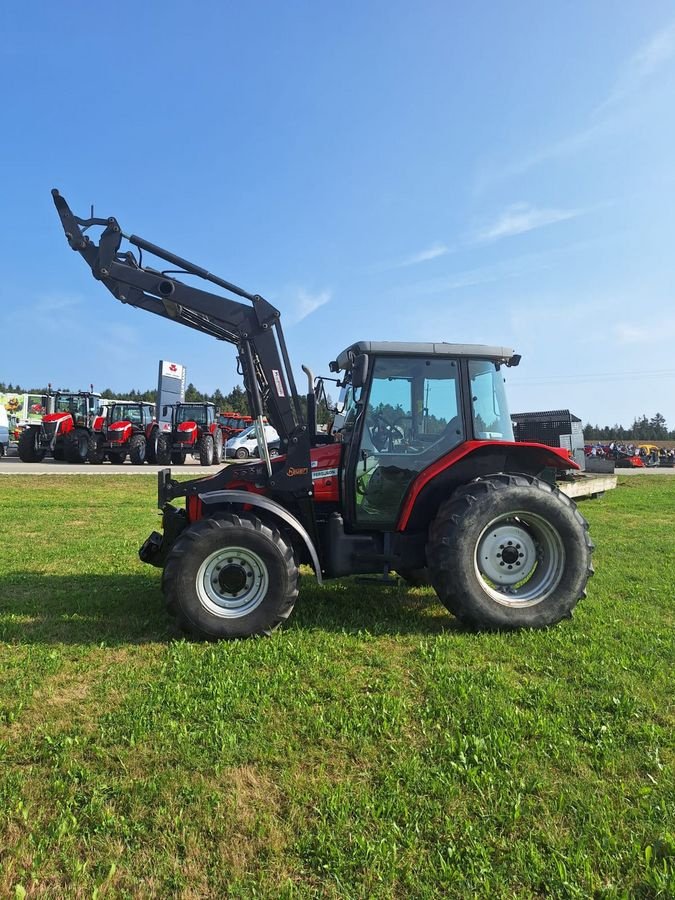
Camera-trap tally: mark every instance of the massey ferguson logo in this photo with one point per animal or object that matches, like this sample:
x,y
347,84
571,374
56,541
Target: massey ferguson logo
x,y
293,472
173,367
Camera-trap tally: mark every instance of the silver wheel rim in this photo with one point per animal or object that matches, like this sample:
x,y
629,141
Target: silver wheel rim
x,y
232,582
519,559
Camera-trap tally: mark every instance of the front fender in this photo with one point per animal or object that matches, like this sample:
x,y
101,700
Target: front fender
x,y
241,498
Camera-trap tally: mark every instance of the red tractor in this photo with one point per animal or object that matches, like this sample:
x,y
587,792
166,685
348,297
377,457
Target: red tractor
x,y
128,428
193,430
420,473
233,423
64,431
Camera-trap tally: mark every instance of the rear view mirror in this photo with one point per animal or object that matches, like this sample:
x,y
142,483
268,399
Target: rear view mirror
x,y
360,371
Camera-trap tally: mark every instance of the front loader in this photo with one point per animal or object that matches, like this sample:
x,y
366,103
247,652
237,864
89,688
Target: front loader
x,y
420,473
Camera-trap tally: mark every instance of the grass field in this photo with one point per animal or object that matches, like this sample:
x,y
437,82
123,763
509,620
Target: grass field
x,y
371,749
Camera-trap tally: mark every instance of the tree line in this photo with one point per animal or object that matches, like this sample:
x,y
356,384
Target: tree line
x,y
642,429
235,401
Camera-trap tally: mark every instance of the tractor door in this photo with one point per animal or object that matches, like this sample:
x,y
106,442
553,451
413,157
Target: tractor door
x,y
408,415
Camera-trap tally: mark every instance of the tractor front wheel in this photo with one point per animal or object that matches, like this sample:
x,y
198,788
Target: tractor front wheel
x,y
137,448
162,450
217,447
232,576
29,446
509,551
178,457
76,446
96,453
117,457
205,449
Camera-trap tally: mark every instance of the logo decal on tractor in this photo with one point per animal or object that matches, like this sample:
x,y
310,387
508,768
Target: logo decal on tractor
x,y
324,473
293,472
278,383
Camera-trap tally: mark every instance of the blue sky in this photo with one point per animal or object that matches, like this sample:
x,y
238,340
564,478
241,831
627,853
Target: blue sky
x,y
490,172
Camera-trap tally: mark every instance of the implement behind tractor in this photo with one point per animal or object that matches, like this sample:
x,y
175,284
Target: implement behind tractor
x,y
420,473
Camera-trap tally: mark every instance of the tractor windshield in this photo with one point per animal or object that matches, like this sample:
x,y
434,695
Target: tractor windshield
x,y
127,412
193,412
73,404
491,419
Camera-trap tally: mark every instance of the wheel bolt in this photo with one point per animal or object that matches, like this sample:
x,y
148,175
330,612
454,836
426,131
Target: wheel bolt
x,y
521,555
501,563
510,567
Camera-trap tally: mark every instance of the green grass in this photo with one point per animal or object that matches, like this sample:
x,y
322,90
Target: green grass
x,y
371,749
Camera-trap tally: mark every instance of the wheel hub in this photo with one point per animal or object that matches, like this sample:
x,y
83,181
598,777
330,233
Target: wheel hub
x,y
232,578
232,582
507,554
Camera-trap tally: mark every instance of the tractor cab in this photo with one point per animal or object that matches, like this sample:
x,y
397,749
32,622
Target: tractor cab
x,y
82,406
407,406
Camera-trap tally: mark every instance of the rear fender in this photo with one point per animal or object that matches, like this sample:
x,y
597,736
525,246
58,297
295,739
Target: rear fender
x,y
473,459
248,498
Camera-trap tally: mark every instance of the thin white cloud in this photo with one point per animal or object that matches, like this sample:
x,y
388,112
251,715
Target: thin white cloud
x,y
305,303
56,302
432,252
621,108
653,333
649,59
520,218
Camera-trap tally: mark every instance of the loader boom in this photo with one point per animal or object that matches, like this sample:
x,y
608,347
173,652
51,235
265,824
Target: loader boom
x,y
253,327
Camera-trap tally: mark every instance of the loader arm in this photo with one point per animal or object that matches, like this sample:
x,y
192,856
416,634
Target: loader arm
x,y
253,327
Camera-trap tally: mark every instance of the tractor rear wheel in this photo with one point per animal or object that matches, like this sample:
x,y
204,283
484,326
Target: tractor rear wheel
x,y
96,453
206,450
76,445
231,576
29,445
137,448
509,551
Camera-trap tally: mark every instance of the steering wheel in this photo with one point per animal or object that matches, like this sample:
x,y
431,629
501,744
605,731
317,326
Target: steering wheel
x,y
383,433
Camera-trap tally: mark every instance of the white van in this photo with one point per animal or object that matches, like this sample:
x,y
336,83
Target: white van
x,y
4,431
241,446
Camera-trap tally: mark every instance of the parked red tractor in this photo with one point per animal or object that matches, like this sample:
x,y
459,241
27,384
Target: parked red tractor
x,y
423,476
233,423
64,431
193,430
129,428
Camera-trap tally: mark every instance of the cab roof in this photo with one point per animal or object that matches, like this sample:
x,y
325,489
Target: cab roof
x,y
441,350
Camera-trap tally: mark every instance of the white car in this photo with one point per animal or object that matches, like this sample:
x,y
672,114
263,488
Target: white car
x,y
242,445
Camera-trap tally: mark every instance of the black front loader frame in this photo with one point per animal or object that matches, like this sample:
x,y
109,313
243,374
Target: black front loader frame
x,y
255,330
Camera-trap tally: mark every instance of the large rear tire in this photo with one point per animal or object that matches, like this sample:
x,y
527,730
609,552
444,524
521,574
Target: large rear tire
x,y
137,446
509,551
206,450
76,446
232,576
29,445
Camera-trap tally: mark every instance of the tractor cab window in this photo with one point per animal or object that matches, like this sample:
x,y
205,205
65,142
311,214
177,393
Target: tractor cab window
x,y
491,419
192,413
410,419
124,413
69,403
